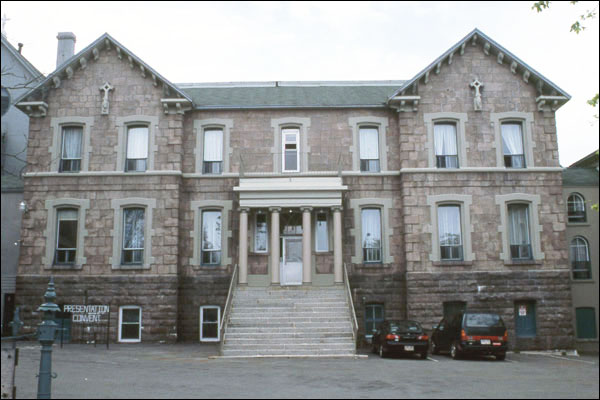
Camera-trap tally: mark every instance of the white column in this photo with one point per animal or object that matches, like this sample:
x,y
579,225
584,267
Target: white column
x,y
243,248
306,246
337,245
275,245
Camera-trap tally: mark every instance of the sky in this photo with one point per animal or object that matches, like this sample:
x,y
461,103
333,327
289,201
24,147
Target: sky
x,y
270,41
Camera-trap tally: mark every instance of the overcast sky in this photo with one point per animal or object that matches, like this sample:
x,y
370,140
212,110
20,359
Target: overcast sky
x,y
224,42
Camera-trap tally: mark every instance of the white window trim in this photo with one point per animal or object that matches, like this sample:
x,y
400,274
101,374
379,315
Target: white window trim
x,y
123,124
284,142
460,120
385,205
202,308
278,124
381,123
121,322
465,202
197,206
201,125
118,206
55,149
52,207
527,125
533,201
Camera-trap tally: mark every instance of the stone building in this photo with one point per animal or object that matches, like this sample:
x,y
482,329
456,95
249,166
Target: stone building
x,y
432,194
580,193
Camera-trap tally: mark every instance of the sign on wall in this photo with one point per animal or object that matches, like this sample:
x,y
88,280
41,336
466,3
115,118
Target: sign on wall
x,y
522,311
87,313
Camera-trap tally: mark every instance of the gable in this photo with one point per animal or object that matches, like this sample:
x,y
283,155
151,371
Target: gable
x,y
549,96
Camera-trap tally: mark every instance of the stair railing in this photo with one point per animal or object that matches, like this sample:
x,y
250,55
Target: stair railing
x,y
351,303
227,308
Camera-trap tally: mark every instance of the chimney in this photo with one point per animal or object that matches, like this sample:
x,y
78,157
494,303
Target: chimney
x,y
66,47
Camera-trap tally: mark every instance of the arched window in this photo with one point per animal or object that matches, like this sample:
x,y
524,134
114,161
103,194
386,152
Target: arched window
x,y
580,259
576,208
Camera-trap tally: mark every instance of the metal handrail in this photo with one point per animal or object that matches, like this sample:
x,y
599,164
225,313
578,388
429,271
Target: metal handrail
x,y
228,305
349,295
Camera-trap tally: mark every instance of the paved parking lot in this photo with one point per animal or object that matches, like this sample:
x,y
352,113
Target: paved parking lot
x,y
185,370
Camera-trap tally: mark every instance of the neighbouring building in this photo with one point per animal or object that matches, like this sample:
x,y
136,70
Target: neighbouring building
x,y
431,195
580,193
18,77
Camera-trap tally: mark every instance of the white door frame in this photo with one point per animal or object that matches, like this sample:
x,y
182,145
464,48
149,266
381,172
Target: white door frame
x,y
297,265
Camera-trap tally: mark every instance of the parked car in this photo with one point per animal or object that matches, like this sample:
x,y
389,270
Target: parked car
x,y
402,337
471,333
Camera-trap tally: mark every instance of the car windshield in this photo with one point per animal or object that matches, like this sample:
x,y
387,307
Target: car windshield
x,y
404,326
483,320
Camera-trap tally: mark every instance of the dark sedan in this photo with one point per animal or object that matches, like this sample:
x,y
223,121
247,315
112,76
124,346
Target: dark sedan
x,y
400,337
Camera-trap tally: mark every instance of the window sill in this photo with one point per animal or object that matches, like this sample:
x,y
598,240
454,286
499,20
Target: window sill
x,y
578,340
65,266
578,224
452,263
210,267
255,253
522,262
131,267
582,280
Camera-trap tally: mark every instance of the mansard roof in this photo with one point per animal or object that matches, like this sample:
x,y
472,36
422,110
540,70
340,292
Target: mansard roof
x,y
256,95
91,52
548,92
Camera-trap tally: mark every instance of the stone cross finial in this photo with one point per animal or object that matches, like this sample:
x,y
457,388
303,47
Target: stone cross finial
x,y
4,21
477,104
106,88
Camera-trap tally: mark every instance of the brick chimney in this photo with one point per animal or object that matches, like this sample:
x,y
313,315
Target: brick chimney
x,y
66,47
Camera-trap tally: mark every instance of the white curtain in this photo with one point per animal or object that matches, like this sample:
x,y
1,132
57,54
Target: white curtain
x,y
445,140
518,217
371,228
369,144
213,145
72,142
449,226
137,143
211,230
512,139
261,234
133,236
579,250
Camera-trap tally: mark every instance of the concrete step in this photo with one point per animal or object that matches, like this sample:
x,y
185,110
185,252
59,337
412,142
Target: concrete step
x,y
243,341
291,321
285,336
280,303
317,330
290,346
288,352
294,308
286,314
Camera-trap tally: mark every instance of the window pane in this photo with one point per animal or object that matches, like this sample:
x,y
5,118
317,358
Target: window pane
x,y
130,331
67,234
518,217
369,143
322,233
72,142
210,331
133,228
371,231
291,160
445,140
130,315
260,236
211,230
213,145
210,315
137,142
512,139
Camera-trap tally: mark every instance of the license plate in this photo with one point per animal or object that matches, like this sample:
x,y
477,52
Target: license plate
x,y
497,344
486,341
396,340
409,348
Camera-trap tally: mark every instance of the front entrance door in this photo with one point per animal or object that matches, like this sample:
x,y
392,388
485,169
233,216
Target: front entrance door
x,y
291,261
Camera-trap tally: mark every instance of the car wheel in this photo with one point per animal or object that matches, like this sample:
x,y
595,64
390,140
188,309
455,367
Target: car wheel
x,y
500,357
434,348
373,348
382,353
454,352
424,355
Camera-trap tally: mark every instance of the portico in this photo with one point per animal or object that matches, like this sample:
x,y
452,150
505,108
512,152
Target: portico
x,y
291,205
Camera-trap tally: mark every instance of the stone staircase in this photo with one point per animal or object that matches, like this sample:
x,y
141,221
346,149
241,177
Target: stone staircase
x,y
289,321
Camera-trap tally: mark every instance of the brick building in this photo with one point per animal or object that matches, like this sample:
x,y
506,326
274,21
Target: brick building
x,y
432,194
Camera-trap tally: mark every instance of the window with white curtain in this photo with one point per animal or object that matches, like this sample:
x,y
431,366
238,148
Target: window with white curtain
x,y
133,236
580,258
450,232
213,151
70,159
576,208
290,149
261,241
520,238
371,235
66,236
321,233
512,145
137,149
446,147
211,238
369,149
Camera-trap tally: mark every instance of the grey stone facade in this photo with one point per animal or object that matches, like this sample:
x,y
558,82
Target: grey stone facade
x,y
407,282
